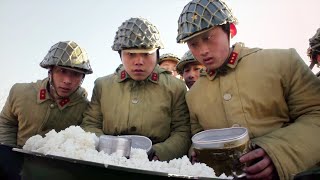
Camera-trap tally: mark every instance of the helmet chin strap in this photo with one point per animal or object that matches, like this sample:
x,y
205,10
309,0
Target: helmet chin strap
x,y
52,90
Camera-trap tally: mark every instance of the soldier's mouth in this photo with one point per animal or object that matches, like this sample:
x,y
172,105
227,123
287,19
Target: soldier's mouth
x,y
138,70
190,83
64,89
208,60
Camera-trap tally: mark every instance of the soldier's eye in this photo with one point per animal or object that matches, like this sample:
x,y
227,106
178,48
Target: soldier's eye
x,y
194,44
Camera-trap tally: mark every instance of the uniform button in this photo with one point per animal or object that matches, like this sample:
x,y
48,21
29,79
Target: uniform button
x,y
236,125
51,106
227,96
134,100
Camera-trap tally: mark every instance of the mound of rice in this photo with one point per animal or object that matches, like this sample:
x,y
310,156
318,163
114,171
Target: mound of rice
x,y
74,142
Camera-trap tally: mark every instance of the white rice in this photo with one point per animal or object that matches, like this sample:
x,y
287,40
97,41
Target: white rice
x,y
74,142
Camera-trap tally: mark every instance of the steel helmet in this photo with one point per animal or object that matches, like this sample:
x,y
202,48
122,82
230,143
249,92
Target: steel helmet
x,y
137,33
314,42
199,15
170,57
67,54
186,58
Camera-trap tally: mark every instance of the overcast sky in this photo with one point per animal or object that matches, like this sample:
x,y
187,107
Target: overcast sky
x,y
29,28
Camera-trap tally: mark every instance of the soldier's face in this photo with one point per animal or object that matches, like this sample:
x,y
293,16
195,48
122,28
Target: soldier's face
x,y
139,65
210,48
66,81
170,66
191,73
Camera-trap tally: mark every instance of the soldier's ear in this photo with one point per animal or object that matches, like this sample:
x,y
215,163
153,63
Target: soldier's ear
x,y
233,30
318,58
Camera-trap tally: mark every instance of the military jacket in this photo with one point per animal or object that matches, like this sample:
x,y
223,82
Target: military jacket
x,y
29,110
155,108
271,92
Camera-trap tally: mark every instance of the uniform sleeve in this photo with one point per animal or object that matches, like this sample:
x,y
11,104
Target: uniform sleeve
x,y
92,116
295,148
8,121
178,143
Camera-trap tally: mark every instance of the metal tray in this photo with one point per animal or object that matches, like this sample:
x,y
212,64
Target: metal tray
x,y
40,166
10,163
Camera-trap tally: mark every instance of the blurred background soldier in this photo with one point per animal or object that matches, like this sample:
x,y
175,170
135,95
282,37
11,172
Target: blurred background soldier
x,y
314,50
169,61
189,68
140,98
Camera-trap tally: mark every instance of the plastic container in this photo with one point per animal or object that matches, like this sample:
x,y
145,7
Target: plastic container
x,y
115,144
222,148
139,142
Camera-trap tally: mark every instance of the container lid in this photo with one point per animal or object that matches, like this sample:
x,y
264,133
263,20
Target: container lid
x,y
114,142
107,139
217,138
139,142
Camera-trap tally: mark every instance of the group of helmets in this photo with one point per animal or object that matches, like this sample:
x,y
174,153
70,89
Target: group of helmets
x,y
196,16
185,59
139,33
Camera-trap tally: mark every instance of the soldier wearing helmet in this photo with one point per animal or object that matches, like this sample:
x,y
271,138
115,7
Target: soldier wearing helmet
x,y
169,61
271,92
189,68
140,97
314,50
55,102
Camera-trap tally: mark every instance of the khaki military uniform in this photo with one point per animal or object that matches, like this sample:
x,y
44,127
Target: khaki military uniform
x,y
29,110
155,108
272,93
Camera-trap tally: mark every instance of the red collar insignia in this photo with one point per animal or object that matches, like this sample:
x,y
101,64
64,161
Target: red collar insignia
x,y
154,76
42,94
233,58
123,74
64,101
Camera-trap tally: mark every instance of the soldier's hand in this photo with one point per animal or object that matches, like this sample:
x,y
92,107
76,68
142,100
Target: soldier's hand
x,y
155,158
152,155
260,165
193,157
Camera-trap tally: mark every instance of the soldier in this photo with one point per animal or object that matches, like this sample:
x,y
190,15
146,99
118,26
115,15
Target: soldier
x,y
55,102
169,61
189,68
141,98
271,92
314,50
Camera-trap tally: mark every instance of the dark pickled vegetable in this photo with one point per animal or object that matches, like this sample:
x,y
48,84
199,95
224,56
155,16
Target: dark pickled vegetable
x,y
224,160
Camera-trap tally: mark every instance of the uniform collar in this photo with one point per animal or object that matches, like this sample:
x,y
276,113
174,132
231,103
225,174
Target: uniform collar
x,y
153,77
44,95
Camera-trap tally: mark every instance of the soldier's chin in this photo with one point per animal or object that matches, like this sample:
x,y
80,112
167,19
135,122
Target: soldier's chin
x,y
64,94
139,77
189,84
